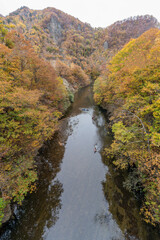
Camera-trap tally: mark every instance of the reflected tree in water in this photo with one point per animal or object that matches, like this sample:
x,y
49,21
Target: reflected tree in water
x,y
40,210
124,208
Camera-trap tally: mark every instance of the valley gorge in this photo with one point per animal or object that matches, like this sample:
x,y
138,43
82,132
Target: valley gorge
x,y
47,58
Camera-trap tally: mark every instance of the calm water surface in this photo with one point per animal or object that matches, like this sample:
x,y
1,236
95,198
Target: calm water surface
x,y
78,197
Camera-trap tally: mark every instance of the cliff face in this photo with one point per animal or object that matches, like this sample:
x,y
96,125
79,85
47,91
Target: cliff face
x,y
55,29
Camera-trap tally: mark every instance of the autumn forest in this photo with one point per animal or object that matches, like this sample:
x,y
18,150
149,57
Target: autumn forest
x,y
46,56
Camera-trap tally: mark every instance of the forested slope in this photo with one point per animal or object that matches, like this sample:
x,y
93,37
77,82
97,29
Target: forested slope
x,y
32,99
130,89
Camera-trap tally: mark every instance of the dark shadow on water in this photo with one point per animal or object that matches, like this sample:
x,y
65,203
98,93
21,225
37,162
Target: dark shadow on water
x,y
125,209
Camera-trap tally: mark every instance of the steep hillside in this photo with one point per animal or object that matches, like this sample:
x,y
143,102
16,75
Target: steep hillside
x,y
57,35
131,88
121,32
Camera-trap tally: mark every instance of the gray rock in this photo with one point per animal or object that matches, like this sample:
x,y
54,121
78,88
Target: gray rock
x,y
105,45
55,29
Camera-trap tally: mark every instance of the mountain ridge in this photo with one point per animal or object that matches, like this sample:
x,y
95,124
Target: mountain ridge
x,y
56,25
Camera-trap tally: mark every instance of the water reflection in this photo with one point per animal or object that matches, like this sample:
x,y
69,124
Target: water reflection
x,y
99,121
124,208
83,203
83,99
40,210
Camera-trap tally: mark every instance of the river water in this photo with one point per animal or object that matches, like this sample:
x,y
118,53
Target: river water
x,y
78,197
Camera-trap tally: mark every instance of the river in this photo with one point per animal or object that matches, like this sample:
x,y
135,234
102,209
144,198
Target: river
x,y
78,197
